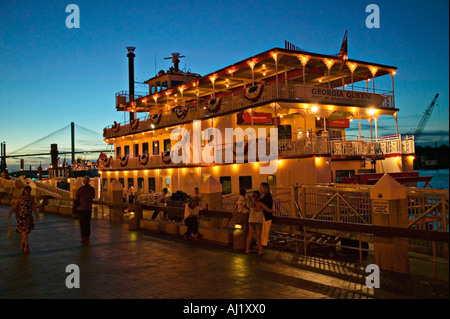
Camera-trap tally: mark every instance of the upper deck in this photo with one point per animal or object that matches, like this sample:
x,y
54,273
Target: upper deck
x,y
288,80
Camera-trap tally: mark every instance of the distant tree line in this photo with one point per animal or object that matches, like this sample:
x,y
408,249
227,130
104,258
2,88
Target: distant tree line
x,y
429,157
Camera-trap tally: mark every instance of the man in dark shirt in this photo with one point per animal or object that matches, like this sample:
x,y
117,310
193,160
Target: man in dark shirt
x,y
266,199
83,207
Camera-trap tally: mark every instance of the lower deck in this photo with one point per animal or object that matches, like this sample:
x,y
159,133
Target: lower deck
x,y
233,177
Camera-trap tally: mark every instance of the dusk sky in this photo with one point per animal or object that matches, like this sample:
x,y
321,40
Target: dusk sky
x,y
52,75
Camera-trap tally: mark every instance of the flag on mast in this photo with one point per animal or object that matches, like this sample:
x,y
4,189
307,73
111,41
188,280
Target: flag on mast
x,y
343,52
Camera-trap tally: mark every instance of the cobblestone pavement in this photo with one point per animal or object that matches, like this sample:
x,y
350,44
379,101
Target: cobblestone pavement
x,y
123,264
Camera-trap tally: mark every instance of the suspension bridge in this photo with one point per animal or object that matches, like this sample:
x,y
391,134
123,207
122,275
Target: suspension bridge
x,y
73,143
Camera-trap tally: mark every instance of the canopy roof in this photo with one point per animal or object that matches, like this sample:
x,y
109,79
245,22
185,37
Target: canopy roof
x,y
273,65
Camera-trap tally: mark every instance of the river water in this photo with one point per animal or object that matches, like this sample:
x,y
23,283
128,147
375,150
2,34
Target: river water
x,y
439,180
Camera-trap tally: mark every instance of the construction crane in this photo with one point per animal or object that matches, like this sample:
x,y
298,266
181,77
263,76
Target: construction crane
x,y
423,121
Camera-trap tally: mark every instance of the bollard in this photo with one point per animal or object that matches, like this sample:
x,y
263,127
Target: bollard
x,y
136,215
116,212
240,232
211,191
389,209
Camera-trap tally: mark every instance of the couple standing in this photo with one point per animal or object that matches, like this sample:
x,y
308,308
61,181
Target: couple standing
x,y
259,206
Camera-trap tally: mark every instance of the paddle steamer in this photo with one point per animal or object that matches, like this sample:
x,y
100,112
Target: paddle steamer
x,y
311,98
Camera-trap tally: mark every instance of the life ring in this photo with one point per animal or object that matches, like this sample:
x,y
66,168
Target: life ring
x,y
213,105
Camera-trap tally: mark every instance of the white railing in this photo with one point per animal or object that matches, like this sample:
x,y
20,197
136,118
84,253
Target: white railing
x,y
304,147
197,110
387,145
408,146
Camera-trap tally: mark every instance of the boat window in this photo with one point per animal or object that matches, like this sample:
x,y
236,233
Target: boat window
x,y
272,180
136,150
122,181
130,182
155,147
167,145
284,132
366,171
118,152
226,184
245,182
104,184
145,148
126,150
151,184
140,183
344,173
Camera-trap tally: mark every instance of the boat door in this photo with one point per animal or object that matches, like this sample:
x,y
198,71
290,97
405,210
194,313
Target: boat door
x,y
166,182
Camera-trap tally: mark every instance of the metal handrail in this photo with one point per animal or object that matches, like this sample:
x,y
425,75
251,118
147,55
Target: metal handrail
x,y
229,104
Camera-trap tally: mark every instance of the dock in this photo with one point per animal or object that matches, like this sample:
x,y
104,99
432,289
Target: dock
x,y
123,264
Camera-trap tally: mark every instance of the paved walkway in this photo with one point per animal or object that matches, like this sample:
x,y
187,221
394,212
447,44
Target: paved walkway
x,y
123,264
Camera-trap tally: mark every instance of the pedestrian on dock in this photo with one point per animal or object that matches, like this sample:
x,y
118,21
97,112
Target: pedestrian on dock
x,y
83,207
124,195
255,220
267,200
197,194
162,201
191,217
16,193
242,204
24,209
131,193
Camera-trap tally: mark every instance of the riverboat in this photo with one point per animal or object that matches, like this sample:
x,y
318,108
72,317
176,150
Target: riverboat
x,y
310,98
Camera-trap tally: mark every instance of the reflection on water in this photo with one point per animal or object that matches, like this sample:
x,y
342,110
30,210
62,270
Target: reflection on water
x,y
439,180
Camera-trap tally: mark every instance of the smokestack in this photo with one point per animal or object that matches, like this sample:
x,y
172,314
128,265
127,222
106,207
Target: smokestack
x,y
131,56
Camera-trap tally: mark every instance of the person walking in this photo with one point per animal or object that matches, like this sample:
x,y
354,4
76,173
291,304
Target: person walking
x,y
83,203
16,193
24,209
